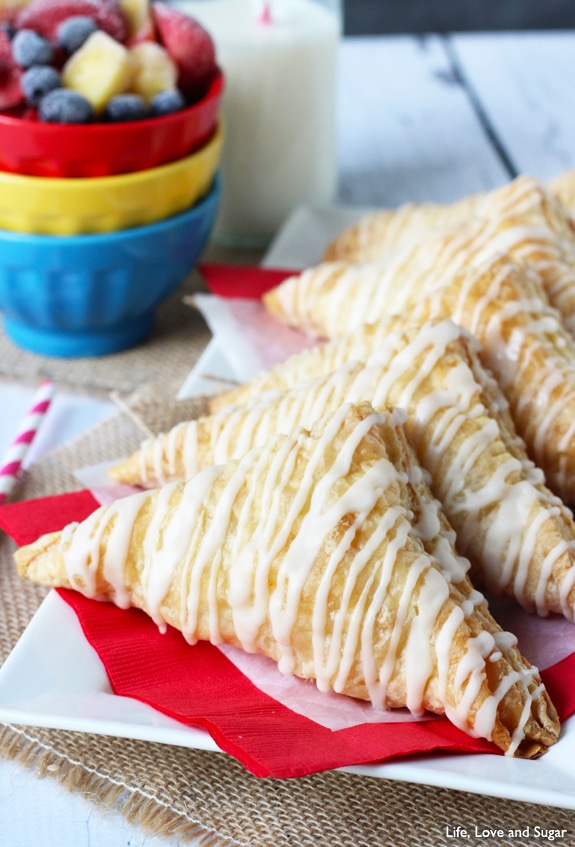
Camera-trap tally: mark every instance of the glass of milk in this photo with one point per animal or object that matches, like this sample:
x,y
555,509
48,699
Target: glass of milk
x,y
279,60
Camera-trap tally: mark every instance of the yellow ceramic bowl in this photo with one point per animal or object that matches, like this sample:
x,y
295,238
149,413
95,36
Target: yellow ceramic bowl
x,y
46,206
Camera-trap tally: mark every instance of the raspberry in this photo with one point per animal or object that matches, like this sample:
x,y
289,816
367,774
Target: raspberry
x,y
64,106
126,107
29,48
190,46
166,102
73,32
45,16
10,75
38,81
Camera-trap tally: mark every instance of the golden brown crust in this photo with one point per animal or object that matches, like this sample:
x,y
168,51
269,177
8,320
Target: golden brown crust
x,y
384,232
525,342
334,298
461,427
526,346
317,361
563,187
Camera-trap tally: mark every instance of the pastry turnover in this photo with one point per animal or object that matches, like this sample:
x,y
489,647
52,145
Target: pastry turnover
x,y
313,362
518,536
563,187
523,342
335,297
377,234
304,550
526,346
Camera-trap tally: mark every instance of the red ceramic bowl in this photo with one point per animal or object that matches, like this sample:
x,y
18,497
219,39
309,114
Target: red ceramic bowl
x,y
33,148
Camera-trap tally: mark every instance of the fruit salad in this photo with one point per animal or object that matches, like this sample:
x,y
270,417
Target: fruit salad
x,y
83,61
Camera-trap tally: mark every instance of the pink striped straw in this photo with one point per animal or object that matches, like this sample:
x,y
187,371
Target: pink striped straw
x,y
12,462
265,16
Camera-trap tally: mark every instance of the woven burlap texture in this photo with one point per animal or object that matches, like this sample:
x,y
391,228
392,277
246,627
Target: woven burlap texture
x,y
192,794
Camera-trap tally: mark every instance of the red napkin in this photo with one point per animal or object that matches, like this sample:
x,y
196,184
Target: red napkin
x,y
247,281
200,687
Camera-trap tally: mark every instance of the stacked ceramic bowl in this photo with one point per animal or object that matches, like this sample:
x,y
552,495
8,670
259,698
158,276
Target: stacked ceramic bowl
x,y
101,222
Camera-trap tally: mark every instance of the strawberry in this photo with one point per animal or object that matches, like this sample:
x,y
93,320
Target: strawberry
x,y
190,46
10,74
45,16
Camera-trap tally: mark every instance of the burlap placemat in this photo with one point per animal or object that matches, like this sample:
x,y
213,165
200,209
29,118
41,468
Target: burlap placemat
x,y
193,794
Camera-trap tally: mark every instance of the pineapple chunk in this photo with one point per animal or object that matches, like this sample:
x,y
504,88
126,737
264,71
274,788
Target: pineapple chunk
x,y
99,70
153,70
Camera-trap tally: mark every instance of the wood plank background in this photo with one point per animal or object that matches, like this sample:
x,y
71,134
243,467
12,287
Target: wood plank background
x,y
521,82
452,115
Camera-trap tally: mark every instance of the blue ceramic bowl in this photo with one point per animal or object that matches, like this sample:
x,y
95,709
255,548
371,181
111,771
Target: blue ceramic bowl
x,y
88,295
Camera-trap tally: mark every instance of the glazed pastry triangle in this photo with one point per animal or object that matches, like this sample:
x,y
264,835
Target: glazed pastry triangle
x,y
380,233
526,346
315,361
523,342
334,298
563,187
304,551
518,536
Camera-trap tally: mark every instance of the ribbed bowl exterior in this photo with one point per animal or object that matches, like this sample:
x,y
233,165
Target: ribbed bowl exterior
x,y
91,294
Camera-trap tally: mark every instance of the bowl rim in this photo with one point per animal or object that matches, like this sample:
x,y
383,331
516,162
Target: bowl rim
x,y
92,239
78,184
214,91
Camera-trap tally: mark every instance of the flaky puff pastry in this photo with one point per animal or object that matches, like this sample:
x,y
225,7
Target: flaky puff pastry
x,y
563,187
518,536
378,234
315,361
304,550
523,342
335,297
526,346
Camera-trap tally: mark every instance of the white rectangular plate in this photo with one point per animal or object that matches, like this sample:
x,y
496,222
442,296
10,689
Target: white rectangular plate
x,y
53,678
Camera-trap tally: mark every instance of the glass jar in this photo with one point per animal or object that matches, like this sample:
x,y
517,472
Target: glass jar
x,y
279,60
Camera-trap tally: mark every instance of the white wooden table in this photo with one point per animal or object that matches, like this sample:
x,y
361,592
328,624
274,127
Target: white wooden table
x,y
430,118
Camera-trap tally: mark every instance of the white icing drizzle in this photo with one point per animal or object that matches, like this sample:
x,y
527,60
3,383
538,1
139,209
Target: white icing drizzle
x,y
199,531
533,357
382,233
249,586
335,298
168,538
425,374
285,598
82,544
535,362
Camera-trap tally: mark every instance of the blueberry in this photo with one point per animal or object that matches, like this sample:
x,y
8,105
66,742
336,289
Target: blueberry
x,y
37,81
65,106
29,48
166,102
74,31
126,107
